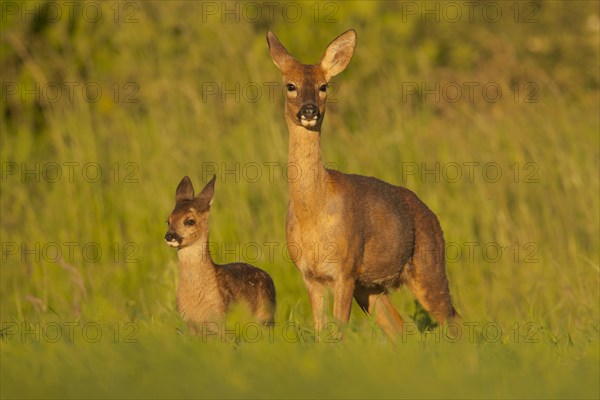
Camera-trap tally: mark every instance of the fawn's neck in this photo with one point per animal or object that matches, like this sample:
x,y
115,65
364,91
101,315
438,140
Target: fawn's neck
x,y
196,268
306,175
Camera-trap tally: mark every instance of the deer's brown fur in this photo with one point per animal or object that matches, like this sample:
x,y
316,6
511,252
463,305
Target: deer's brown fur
x,y
379,236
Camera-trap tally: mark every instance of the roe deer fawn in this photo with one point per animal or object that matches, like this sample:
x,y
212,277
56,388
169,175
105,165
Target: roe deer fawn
x,y
383,235
206,290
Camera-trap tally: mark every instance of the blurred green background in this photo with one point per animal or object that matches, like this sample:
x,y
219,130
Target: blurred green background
x,y
487,110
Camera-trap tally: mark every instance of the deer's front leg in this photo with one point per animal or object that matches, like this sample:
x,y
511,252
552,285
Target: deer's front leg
x,y
343,292
316,293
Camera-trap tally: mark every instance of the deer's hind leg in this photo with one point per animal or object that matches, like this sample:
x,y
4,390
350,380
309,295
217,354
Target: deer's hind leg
x,y
426,274
377,301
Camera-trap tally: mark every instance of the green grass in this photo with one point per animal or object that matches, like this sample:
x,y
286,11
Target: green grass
x,y
98,318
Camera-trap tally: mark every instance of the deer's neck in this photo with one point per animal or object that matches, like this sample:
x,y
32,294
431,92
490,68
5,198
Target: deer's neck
x,y
196,268
306,174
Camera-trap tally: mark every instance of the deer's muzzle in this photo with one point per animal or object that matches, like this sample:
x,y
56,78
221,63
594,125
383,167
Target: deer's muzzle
x,y
309,115
173,239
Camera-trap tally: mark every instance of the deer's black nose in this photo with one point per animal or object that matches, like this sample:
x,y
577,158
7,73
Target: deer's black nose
x,y
309,111
170,236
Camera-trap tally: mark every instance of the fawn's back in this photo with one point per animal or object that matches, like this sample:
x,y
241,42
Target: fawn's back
x,y
244,283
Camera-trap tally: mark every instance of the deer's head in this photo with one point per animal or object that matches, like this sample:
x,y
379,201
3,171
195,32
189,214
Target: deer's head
x,y
306,84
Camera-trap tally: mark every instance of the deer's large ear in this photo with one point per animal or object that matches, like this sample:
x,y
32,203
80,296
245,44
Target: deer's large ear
x,y
338,54
280,56
205,198
185,190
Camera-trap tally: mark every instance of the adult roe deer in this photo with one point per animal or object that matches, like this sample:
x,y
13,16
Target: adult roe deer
x,y
383,235
206,290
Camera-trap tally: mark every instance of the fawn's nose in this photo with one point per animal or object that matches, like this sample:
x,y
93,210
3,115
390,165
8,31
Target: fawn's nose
x,y
172,237
309,111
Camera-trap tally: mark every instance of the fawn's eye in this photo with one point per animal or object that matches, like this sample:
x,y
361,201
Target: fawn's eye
x,y
189,222
323,88
168,223
290,87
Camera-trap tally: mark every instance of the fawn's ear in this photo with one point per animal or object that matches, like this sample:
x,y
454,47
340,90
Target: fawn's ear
x,y
185,190
280,56
205,198
338,54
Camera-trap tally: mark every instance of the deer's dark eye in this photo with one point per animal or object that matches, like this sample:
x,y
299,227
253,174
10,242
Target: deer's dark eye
x,y
290,87
323,88
189,222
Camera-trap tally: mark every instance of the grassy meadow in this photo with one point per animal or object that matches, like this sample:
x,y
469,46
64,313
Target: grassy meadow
x,y
488,112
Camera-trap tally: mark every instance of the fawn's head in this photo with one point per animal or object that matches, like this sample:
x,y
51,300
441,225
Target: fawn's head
x,y
306,84
188,221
